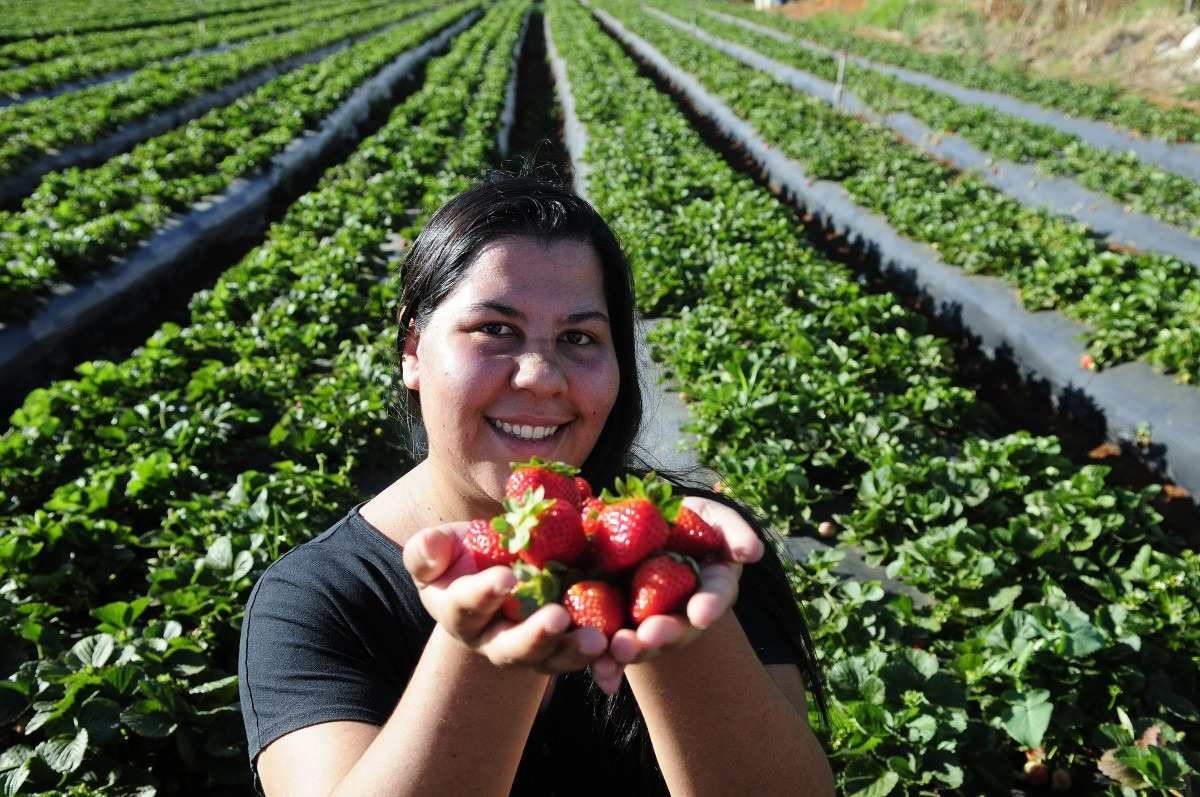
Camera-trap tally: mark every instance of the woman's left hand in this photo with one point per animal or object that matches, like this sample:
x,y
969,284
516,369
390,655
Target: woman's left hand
x,y
716,591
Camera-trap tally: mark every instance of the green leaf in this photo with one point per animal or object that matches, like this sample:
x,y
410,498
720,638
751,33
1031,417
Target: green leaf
x,y
64,754
882,785
143,719
12,781
1004,597
220,554
1027,715
94,650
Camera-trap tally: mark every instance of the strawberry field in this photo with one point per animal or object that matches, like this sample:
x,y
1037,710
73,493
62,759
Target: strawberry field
x,y
169,435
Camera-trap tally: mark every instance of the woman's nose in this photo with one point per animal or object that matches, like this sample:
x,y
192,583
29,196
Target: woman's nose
x,y
539,372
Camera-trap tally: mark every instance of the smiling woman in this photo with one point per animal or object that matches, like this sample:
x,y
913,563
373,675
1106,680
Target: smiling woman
x,y
374,659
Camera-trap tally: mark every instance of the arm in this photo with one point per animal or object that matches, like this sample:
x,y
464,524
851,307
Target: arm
x,y
463,720
765,747
462,740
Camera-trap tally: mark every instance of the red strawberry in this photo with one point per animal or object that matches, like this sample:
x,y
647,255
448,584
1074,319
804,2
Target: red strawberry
x,y
634,523
692,535
585,489
661,584
535,588
483,541
540,530
591,516
556,479
597,604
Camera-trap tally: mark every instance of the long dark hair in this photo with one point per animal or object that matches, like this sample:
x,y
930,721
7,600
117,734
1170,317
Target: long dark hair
x,y
504,205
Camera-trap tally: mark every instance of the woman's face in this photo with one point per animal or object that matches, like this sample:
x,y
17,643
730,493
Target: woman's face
x,y
517,361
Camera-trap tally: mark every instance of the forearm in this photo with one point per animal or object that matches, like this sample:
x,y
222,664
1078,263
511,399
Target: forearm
x,y
460,727
720,725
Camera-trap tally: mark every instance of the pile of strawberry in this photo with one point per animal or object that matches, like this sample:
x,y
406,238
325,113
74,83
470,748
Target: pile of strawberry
x,y
611,561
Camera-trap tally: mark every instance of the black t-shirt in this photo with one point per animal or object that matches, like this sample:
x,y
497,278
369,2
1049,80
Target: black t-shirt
x,y
334,629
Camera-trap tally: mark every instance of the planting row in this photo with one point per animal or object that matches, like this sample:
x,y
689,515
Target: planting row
x,y
78,221
1140,306
823,404
30,21
34,128
1105,103
77,64
124,594
1170,197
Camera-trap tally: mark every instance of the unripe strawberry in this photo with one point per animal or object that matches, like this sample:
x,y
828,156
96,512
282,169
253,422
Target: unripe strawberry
x,y
1087,362
1060,780
661,585
826,529
692,535
597,604
483,541
556,479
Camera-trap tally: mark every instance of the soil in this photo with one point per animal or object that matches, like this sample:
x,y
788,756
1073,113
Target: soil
x,y
1141,56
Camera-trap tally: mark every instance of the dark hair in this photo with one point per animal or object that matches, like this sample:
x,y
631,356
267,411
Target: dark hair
x,y
504,205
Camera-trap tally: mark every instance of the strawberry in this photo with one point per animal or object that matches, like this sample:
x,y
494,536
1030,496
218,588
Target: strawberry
x,y
585,489
484,542
634,522
661,584
535,588
556,479
597,604
692,535
540,530
591,516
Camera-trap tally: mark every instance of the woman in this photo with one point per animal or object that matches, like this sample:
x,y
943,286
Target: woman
x,y
373,658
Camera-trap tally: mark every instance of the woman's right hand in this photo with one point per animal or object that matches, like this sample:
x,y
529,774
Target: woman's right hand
x,y
466,603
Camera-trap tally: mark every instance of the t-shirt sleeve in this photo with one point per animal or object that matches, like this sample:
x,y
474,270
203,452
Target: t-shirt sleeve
x,y
301,661
760,621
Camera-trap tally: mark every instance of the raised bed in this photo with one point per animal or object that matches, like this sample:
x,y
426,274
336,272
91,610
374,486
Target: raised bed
x,y
1044,345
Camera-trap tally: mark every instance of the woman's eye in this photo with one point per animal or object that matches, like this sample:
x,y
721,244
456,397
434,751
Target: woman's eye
x,y
577,338
495,329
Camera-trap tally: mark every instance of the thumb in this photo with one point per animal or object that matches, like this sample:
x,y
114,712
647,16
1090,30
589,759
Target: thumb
x,y
428,554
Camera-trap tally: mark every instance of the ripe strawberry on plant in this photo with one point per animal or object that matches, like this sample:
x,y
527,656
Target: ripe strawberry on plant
x,y
692,535
634,523
661,585
597,604
483,541
557,480
540,530
535,587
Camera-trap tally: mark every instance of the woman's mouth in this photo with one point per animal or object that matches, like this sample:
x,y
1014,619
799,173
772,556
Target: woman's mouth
x,y
525,431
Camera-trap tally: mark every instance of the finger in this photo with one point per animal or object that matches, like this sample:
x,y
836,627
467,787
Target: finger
x,y
428,554
608,674
577,650
526,643
468,603
717,592
625,647
663,631
742,544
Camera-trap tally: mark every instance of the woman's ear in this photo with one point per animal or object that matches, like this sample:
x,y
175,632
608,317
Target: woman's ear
x,y
408,360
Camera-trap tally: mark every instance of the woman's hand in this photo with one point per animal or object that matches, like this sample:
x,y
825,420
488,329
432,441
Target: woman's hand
x,y
466,602
716,591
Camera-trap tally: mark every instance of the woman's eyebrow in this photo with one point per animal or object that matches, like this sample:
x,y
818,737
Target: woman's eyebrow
x,y
509,311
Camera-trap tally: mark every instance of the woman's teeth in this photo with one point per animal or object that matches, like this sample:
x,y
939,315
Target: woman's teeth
x,y
525,432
